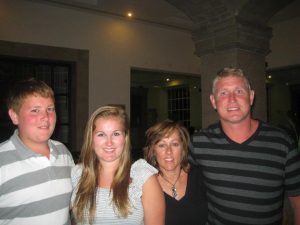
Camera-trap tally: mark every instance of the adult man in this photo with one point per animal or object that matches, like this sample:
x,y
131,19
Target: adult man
x,y
35,183
248,165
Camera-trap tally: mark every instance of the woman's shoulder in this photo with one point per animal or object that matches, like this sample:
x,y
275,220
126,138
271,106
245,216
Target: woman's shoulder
x,y
142,168
77,168
195,172
196,179
140,172
76,173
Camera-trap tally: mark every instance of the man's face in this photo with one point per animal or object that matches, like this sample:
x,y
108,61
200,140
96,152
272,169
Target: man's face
x,y
35,120
232,99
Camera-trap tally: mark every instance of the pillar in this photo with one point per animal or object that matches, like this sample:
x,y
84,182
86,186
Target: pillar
x,y
233,43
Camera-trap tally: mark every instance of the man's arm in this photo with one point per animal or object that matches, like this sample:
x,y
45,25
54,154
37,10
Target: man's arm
x,y
295,203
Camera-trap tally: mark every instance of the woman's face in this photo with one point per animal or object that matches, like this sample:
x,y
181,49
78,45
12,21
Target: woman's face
x,y
109,139
168,152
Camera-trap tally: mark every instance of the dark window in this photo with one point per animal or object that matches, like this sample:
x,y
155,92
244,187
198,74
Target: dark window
x,y
55,74
179,104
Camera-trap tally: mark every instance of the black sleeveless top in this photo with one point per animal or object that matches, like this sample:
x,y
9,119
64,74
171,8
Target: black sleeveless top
x,y
191,209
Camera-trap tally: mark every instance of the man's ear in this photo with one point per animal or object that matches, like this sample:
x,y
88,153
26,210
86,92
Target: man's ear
x,y
252,96
212,101
13,116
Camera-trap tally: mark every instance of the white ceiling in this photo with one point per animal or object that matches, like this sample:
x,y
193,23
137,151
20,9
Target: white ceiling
x,y
289,12
158,12
151,11
155,11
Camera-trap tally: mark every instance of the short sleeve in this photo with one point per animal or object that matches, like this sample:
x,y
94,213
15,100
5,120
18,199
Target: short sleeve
x,y
76,174
75,177
139,173
292,171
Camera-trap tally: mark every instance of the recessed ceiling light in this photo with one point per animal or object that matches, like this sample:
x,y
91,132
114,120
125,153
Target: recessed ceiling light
x,y
129,14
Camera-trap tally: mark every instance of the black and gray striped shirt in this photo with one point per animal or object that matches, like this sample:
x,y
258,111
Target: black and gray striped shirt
x,y
246,182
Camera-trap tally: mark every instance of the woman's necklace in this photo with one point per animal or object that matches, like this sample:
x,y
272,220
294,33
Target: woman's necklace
x,y
173,186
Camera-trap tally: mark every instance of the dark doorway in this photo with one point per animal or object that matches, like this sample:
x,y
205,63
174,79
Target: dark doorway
x,y
156,96
283,90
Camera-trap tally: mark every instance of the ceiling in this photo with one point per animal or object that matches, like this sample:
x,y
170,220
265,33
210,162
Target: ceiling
x,y
163,13
159,12
289,12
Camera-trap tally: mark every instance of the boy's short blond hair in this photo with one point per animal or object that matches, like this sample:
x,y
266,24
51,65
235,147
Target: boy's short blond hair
x,y
29,87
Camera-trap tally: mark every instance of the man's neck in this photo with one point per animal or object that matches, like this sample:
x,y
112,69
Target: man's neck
x,y
240,132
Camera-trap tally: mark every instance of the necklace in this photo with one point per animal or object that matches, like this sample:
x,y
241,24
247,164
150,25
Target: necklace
x,y
173,186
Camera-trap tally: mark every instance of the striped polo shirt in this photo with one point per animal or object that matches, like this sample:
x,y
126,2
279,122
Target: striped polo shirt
x,y
246,182
34,190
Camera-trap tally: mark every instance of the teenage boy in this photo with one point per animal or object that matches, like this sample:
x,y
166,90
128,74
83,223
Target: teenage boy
x,y
35,185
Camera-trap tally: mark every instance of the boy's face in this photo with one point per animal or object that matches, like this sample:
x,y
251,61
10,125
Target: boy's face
x,y
35,120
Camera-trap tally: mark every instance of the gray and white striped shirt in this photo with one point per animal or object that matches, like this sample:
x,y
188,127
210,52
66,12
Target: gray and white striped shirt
x,y
34,190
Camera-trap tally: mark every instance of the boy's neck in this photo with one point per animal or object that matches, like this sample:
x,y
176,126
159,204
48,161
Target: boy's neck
x,y
39,148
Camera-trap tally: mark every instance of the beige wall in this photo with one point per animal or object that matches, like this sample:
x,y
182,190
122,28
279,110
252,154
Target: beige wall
x,y
115,45
285,44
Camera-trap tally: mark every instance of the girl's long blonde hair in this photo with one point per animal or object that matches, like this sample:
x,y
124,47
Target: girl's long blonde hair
x,y
87,187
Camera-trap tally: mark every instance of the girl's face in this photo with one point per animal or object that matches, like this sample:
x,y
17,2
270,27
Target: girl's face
x,y
109,139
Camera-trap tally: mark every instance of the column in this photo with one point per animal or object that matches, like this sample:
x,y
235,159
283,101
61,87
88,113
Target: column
x,y
236,43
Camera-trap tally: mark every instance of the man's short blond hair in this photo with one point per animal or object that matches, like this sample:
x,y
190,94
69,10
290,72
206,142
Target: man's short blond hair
x,y
230,72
